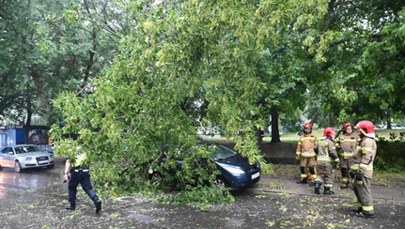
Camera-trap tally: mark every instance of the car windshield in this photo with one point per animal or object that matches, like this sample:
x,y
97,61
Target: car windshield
x,y
25,149
221,152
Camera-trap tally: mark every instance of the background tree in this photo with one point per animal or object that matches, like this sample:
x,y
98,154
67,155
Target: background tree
x,y
284,94
54,46
354,82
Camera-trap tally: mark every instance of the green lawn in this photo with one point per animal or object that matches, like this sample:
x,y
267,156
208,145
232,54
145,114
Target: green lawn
x,y
293,137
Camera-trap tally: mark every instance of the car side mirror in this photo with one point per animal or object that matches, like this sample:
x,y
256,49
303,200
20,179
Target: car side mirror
x,y
10,153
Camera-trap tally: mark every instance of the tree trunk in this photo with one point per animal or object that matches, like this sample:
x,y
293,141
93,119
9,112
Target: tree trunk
x,y
275,135
259,135
27,125
331,119
389,124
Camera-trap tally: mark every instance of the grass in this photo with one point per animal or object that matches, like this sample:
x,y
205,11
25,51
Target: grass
x,y
293,136
387,133
379,177
386,178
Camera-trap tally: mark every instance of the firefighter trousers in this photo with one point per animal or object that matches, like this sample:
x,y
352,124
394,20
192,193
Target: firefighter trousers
x,y
362,191
345,169
325,175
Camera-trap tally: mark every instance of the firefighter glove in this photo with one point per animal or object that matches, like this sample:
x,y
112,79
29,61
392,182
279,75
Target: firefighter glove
x,y
358,176
337,163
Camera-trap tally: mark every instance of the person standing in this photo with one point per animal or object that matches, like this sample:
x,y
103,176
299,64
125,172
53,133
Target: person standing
x,y
346,145
77,172
362,168
305,153
326,155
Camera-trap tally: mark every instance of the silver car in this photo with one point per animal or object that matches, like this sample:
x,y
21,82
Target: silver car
x,y
22,157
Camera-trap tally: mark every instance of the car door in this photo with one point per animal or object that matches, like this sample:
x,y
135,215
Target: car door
x,y
5,157
2,157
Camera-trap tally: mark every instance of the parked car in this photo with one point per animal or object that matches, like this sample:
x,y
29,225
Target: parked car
x,y
22,157
236,173
46,147
397,126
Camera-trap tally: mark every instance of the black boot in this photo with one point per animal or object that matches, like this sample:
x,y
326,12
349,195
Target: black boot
x,y
302,181
71,207
317,187
366,215
358,210
344,186
327,191
97,203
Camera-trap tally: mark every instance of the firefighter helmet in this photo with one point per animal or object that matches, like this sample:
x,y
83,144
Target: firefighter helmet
x,y
366,128
308,125
347,124
329,132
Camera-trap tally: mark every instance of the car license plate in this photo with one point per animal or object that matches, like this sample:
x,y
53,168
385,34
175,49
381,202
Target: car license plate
x,y
256,175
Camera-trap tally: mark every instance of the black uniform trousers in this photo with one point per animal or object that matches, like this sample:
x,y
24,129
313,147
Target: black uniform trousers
x,y
80,176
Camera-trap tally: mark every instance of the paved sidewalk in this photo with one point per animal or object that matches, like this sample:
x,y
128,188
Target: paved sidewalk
x,y
393,193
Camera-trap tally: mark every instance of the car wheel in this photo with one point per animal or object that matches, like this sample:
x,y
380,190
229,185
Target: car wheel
x,y
17,167
220,183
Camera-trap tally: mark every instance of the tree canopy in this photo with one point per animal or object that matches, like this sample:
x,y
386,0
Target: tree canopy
x,y
361,63
207,52
48,47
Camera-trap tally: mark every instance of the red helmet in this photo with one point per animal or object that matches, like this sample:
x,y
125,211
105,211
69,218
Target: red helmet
x,y
308,125
367,128
329,132
346,124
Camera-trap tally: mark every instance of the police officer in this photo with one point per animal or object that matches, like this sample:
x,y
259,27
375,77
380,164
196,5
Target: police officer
x,y
77,172
362,168
306,154
346,145
326,155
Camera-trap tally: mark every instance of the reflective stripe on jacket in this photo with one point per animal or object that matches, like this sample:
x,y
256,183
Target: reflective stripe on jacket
x,y
347,145
326,151
306,146
364,157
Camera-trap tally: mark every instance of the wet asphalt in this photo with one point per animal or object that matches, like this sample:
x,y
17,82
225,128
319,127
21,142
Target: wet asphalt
x,y
36,199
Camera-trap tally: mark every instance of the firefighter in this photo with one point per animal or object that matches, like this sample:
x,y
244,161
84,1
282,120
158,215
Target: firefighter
x,y
305,153
326,155
77,172
362,168
346,145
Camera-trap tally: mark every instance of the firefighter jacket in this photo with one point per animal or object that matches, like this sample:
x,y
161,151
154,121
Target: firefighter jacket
x,y
346,145
363,159
326,152
306,146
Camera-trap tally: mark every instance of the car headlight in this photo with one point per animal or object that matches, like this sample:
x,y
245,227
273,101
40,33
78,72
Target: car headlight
x,y
29,158
256,164
233,169
51,156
